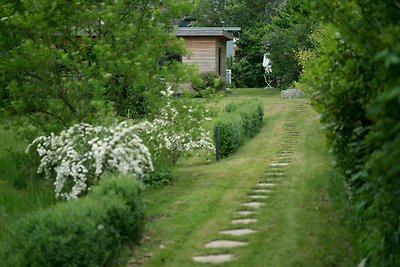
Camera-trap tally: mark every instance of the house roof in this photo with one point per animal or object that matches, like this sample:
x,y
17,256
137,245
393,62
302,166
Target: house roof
x,y
206,31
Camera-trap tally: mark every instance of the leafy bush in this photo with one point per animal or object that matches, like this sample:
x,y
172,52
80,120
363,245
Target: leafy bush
x,y
239,121
161,176
231,135
129,190
252,114
352,73
210,83
84,232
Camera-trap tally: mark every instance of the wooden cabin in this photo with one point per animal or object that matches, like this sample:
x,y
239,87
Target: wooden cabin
x,y
207,47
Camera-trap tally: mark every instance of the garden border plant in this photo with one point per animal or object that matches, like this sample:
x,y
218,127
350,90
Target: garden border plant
x,y
84,232
239,122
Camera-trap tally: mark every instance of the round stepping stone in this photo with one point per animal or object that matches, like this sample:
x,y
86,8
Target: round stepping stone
x,y
238,232
258,196
243,221
253,204
225,244
214,258
245,212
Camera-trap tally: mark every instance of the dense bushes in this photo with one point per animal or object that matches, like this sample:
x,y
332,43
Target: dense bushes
x,y
287,34
209,83
353,76
231,134
238,122
84,232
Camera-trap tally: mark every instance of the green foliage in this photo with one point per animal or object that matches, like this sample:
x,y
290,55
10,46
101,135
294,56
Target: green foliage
x,y
239,122
247,69
210,84
64,61
129,190
161,176
353,76
287,34
252,114
231,135
85,232
231,12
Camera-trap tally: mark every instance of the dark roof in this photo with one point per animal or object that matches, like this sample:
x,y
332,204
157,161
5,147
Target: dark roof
x,y
206,31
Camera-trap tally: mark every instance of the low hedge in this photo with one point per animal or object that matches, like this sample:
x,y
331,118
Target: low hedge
x,y
239,122
231,134
84,232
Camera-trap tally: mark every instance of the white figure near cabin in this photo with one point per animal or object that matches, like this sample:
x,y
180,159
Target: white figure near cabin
x,y
267,64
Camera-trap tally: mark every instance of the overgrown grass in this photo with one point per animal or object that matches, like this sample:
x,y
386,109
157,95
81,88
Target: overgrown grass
x,y
18,193
299,226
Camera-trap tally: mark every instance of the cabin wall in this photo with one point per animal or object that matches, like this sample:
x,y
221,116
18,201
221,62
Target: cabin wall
x,y
208,53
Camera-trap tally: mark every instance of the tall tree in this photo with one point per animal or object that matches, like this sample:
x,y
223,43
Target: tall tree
x,y
61,61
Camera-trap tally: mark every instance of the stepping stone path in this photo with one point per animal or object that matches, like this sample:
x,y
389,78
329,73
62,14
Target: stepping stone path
x,y
257,198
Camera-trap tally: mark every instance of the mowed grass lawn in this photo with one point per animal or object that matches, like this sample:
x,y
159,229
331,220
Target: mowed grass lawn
x,y
301,224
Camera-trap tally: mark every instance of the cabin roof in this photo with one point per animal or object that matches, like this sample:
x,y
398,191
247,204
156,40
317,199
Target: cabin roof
x,y
206,32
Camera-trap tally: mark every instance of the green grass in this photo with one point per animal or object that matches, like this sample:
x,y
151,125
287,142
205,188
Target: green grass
x,y
299,226
19,192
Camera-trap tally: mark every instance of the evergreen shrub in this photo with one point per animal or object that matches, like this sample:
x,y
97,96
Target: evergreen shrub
x,y
352,74
211,83
83,232
239,122
252,114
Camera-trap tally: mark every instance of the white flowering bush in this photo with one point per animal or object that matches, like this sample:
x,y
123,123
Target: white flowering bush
x,y
178,129
78,156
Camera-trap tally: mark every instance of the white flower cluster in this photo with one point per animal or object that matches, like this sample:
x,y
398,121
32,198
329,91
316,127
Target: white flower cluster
x,y
292,93
177,130
78,156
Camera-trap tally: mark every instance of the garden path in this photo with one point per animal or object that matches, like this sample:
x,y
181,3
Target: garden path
x,y
257,197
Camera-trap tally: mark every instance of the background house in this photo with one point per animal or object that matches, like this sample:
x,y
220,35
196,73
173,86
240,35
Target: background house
x,y
207,47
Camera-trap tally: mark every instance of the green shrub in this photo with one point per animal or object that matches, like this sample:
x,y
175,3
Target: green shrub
x,y
353,74
84,232
211,83
231,135
129,190
161,176
252,114
239,121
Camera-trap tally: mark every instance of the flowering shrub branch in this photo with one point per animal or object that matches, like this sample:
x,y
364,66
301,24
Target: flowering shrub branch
x,y
178,129
78,156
